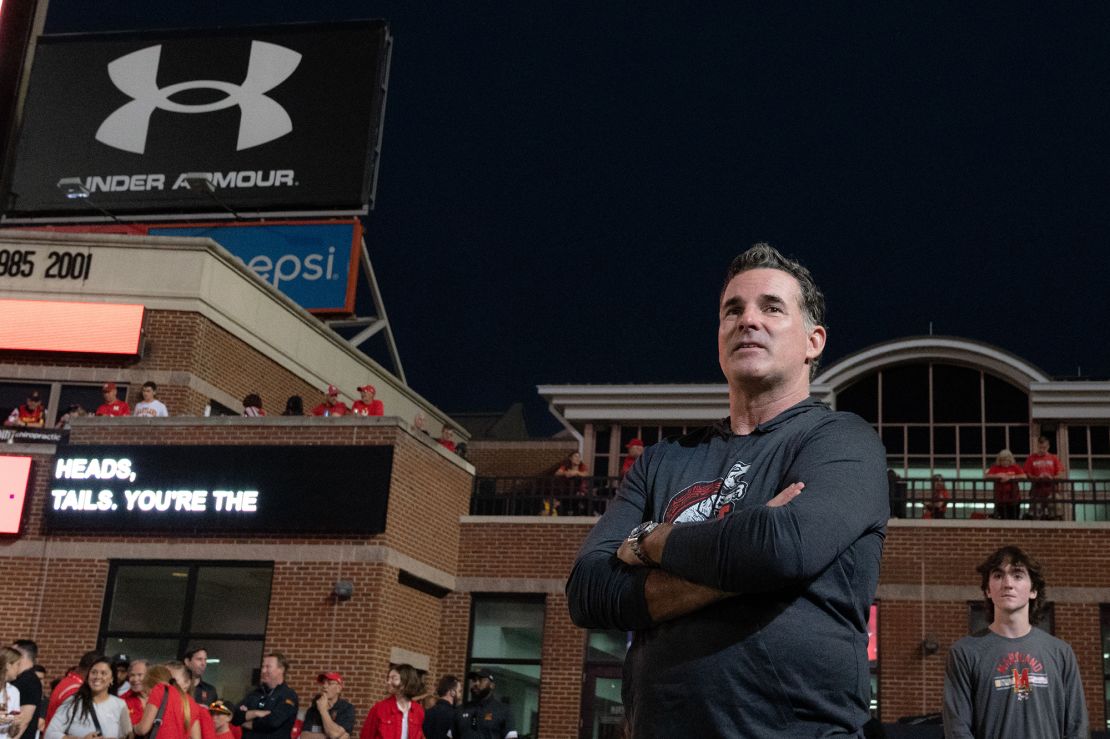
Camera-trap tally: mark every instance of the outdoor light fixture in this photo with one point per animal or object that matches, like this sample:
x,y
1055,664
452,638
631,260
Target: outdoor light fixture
x,y
343,589
200,181
929,645
73,188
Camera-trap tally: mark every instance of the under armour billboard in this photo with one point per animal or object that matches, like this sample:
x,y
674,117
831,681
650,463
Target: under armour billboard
x,y
282,119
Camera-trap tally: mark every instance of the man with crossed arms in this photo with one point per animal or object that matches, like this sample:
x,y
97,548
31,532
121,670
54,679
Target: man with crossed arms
x,y
745,555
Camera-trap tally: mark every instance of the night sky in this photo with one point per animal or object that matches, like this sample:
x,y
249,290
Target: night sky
x,y
562,185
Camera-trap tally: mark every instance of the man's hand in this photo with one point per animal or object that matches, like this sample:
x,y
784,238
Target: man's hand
x,y
256,713
322,704
653,544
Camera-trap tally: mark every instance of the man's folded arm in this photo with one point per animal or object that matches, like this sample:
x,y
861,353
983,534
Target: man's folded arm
x,y
603,593
760,548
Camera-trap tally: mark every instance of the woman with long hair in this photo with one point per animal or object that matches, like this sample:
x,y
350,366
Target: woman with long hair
x,y
397,715
181,715
9,694
92,712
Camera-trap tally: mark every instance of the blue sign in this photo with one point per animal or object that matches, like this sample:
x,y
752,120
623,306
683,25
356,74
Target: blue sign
x,y
315,264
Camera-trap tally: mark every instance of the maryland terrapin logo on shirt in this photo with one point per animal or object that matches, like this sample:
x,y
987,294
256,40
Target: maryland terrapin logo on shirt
x,y
1020,673
703,501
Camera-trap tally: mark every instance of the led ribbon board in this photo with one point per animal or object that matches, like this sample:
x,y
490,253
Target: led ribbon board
x,y
287,489
62,326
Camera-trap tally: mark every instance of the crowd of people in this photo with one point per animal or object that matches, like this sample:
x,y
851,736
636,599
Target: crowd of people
x,y
32,412
121,698
1042,469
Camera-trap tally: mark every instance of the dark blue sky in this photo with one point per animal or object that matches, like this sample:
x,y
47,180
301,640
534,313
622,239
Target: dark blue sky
x,y
562,185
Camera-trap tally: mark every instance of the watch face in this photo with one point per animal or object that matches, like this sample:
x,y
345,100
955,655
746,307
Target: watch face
x,y
641,529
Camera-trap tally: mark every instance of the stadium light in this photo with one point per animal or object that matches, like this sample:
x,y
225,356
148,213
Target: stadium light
x,y
73,188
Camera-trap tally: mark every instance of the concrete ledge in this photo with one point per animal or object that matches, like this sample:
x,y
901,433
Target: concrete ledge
x,y
510,585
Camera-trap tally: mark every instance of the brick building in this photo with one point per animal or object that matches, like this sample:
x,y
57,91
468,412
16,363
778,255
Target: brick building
x,y
434,584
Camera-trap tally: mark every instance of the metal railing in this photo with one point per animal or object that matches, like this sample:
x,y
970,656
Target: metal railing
x,y
1059,500
1053,500
539,496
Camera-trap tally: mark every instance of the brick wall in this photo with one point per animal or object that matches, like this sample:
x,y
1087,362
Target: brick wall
x,y
519,458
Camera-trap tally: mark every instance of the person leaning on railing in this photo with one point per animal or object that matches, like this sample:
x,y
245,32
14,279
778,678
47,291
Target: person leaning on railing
x,y
1043,467
575,472
1005,472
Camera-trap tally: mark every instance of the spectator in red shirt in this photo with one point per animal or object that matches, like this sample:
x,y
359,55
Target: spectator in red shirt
x,y
332,405
162,686
366,405
221,717
1043,468
111,407
135,696
388,715
1005,472
69,684
31,414
937,507
447,439
635,449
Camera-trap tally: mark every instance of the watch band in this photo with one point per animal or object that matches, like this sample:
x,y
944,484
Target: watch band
x,y
636,539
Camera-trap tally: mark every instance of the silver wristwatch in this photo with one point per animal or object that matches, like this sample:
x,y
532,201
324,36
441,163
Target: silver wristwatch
x,y
637,536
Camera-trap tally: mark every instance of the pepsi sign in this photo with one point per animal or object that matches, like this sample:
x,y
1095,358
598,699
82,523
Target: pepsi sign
x,y
315,263
283,119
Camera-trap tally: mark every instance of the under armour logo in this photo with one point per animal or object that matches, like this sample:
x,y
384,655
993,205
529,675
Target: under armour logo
x,y
136,74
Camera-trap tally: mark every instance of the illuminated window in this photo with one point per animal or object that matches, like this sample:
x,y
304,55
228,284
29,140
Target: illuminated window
x,y
506,636
159,610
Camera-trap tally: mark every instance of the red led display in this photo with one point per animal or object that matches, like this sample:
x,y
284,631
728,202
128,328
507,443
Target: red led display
x,y
58,326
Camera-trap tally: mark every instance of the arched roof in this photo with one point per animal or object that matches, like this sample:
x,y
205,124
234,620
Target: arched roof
x,y
950,349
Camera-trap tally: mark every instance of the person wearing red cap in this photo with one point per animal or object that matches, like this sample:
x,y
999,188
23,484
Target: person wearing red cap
x,y
329,716
635,449
366,405
112,406
332,405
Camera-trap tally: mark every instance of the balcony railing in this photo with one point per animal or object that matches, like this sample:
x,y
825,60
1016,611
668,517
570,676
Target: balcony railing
x,y
1061,500
537,496
1055,500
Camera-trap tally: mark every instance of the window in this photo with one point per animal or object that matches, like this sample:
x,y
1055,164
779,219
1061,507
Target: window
x,y
159,610
506,637
13,395
937,418
602,706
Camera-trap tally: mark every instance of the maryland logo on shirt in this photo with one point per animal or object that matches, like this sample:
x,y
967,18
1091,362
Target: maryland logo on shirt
x,y
1020,674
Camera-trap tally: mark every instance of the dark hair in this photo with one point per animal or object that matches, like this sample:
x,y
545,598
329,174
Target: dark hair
x,y
1043,438
764,256
254,400
446,684
151,385
294,406
27,648
190,653
1014,556
88,659
83,698
38,668
412,684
